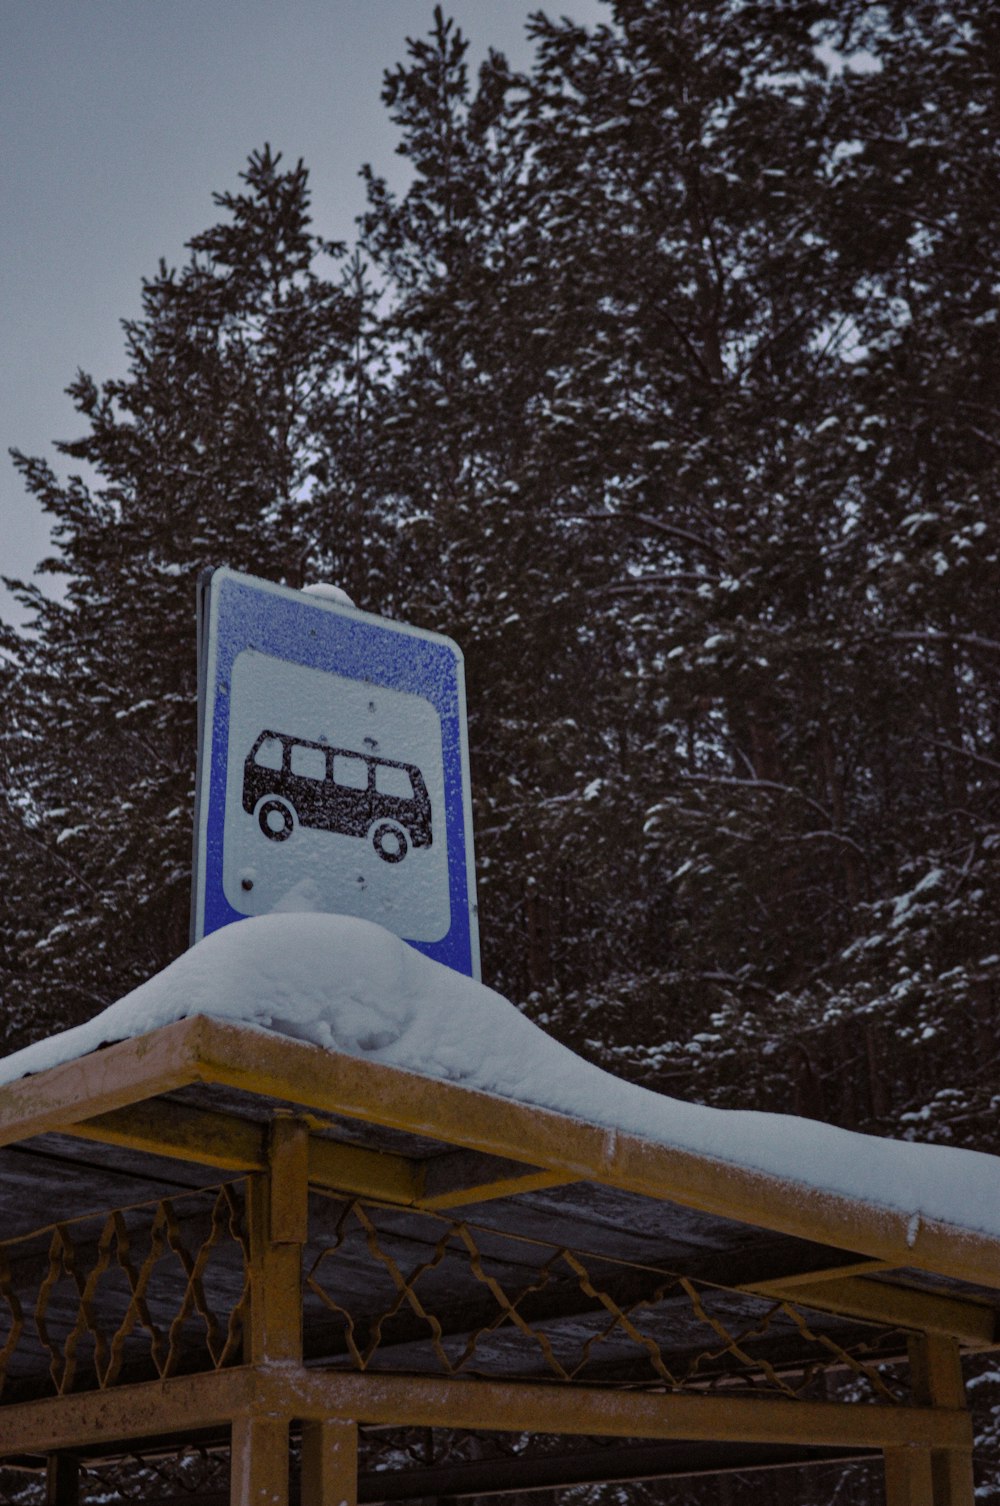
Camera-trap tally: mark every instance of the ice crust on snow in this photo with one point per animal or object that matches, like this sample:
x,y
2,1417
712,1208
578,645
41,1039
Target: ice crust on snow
x,y
350,986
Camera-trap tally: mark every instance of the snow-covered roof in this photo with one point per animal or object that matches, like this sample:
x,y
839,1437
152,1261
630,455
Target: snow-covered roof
x,y
352,988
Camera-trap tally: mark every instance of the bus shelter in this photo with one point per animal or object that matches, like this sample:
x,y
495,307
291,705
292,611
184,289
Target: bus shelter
x,y
345,1282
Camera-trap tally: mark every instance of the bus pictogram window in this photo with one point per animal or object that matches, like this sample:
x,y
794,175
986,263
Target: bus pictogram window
x,y
393,781
270,754
306,762
350,771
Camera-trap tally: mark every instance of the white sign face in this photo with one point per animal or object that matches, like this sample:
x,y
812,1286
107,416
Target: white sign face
x,y
340,736
333,770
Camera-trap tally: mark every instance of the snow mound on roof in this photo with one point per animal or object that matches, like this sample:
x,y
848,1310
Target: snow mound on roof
x,y
347,985
350,986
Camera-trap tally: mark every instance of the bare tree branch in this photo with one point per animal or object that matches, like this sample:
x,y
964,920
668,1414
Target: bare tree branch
x,y
971,639
989,763
631,587
828,836
655,524
770,785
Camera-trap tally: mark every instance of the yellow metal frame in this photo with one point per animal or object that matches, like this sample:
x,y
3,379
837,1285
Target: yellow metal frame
x,y
74,1098
497,1148
293,1392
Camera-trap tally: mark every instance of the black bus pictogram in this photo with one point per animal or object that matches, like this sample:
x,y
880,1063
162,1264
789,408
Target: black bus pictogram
x,y
289,781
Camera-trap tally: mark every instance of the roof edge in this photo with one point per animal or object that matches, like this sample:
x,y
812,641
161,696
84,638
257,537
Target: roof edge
x,y
210,1051
470,1118
114,1077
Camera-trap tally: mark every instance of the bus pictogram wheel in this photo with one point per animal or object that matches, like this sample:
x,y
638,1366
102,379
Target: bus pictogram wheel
x,y
389,841
276,819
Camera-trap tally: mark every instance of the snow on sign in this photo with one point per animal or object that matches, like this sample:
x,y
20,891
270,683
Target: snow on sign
x,y
333,768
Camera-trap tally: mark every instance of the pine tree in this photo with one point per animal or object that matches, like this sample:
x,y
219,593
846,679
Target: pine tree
x,y
646,357
479,522
728,355
919,146
206,452
668,388
677,413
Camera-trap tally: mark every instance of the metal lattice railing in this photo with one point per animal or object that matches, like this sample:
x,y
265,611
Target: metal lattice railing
x,y
152,1290
164,1288
462,1299
188,1474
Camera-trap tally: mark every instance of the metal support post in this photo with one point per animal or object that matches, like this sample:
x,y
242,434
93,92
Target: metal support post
x,y
329,1463
278,1218
259,1469
62,1481
908,1477
936,1370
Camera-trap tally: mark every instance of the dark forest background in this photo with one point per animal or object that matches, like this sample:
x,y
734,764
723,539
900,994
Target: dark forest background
x,y
669,387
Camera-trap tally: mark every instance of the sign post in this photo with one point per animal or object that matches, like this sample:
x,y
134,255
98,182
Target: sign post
x,y
333,768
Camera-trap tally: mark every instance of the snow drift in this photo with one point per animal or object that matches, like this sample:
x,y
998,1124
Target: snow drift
x,y
347,985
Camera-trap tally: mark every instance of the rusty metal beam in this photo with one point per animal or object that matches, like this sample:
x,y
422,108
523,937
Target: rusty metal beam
x,y
461,1116
972,1323
178,1407
936,1373
329,1463
908,1480
259,1469
826,1273
522,1473
62,1480
527,1407
180,1132
337,1167
215,1051
519,1474
90,1419
126,1073
277,1221
461,1177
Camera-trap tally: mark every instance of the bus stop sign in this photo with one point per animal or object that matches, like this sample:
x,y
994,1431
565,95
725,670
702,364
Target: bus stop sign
x,y
333,768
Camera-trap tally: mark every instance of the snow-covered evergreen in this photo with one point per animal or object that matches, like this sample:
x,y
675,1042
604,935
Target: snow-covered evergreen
x,y
668,387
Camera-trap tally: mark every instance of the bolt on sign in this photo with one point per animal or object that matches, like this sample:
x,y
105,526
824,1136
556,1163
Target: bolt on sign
x,y
333,768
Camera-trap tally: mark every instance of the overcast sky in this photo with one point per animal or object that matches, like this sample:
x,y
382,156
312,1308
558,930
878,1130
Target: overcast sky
x,y
119,118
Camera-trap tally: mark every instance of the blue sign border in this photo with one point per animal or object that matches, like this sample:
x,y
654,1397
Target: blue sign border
x,y
241,612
